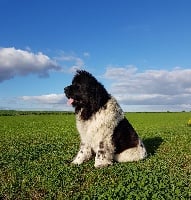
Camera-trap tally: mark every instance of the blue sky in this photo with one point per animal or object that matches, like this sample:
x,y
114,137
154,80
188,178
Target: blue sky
x,y
139,49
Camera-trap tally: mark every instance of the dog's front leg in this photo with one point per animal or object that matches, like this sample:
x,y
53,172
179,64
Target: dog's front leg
x,y
84,154
104,155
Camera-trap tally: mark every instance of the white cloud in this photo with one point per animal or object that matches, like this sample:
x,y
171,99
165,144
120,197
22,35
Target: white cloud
x,y
46,99
72,62
42,102
120,72
14,62
150,87
86,54
149,90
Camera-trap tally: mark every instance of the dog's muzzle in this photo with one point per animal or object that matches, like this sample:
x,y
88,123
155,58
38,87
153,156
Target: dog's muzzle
x,y
66,90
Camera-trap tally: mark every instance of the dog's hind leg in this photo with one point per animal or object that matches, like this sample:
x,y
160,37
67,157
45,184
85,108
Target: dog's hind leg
x,y
132,154
84,154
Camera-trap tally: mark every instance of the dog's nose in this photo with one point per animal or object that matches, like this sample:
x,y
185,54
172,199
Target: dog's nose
x,y
65,89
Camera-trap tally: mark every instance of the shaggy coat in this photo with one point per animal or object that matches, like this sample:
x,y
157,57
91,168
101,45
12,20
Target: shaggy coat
x,y
103,128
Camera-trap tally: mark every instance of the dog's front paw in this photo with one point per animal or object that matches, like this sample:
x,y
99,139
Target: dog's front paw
x,y
102,164
77,162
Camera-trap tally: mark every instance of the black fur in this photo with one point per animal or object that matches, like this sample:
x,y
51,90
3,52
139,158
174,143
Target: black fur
x,y
124,136
89,95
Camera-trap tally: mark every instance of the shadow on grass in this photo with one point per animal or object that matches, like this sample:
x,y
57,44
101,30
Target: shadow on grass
x,y
152,144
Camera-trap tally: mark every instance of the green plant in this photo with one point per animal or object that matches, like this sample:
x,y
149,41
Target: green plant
x,y
36,151
189,122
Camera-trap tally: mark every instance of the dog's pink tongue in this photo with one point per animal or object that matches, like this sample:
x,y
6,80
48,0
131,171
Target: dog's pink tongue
x,y
70,101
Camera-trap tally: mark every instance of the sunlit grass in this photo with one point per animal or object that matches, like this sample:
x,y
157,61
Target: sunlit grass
x,y
36,150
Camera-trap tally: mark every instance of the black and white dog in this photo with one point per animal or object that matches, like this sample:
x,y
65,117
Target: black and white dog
x,y
103,128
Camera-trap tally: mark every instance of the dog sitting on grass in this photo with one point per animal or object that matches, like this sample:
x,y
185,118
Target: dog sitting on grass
x,y
103,128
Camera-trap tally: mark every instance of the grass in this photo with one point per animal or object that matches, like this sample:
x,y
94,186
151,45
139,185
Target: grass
x,y
36,150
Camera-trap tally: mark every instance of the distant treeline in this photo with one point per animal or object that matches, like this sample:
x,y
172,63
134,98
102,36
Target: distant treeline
x,y
16,112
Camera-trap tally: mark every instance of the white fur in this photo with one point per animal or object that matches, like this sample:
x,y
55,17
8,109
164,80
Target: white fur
x,y
132,154
96,136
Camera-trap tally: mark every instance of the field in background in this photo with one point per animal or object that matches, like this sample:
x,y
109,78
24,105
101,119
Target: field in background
x,y
36,149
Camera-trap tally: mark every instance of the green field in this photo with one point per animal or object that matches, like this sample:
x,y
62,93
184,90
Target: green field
x,y
36,150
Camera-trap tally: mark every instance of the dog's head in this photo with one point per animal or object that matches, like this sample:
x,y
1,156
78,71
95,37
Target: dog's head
x,y
86,93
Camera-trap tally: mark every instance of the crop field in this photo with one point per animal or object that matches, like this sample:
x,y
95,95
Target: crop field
x,y
36,150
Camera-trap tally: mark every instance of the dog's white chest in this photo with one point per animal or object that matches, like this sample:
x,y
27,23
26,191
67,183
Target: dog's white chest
x,y
89,131
100,126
